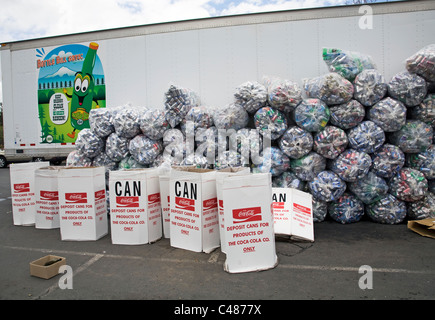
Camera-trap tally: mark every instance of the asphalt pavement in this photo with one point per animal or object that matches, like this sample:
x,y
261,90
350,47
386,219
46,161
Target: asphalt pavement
x,y
359,261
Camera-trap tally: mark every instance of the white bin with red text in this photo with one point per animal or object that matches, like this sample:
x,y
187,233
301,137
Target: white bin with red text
x,y
293,213
22,176
194,213
249,233
135,209
82,203
47,198
220,176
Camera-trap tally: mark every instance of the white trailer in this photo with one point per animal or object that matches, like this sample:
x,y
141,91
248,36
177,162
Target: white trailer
x,y
211,56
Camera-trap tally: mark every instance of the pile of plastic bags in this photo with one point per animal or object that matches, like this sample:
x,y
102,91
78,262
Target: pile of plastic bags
x,y
360,144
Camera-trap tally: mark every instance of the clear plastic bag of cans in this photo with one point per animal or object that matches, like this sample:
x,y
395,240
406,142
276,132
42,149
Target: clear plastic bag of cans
x,y
153,123
309,166
100,121
272,160
174,145
288,179
388,210
331,88
116,147
423,62
415,136
408,185
423,162
425,111
230,158
351,165
320,210
270,122
283,94
423,208
296,142
178,102
327,186
126,121
366,136
408,88
369,87
200,116
387,160
389,114
130,163
232,116
347,115
76,159
196,160
89,144
312,115
330,142
102,160
347,63
347,209
251,95
144,150
247,142
369,188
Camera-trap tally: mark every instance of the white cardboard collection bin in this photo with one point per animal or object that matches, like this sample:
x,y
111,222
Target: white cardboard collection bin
x,y
165,201
82,203
135,208
22,177
47,198
185,204
293,213
194,212
220,176
248,218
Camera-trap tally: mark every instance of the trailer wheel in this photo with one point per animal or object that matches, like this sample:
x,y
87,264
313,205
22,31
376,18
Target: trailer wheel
x,y
3,162
38,159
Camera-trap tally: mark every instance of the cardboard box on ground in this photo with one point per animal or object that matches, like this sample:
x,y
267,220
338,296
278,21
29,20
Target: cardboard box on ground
x,y
46,267
135,207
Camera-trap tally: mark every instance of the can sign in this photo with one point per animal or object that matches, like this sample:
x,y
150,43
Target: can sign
x,y
135,208
194,221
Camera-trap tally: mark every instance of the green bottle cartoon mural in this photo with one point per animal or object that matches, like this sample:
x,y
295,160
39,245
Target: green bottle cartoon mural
x,y
83,92
70,83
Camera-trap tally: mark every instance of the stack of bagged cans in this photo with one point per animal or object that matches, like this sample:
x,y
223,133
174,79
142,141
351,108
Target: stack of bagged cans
x,y
361,144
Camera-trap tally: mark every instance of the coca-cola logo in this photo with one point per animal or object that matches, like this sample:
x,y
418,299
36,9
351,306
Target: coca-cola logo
x,y
130,202
247,214
76,197
278,205
49,195
184,204
101,194
209,204
21,187
154,198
